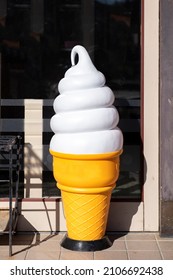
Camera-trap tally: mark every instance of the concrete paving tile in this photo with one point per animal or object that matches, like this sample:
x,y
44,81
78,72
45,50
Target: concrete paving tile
x,y
110,255
116,236
140,236
142,245
17,249
72,255
4,248
166,245
167,255
24,243
24,237
18,256
46,236
45,246
49,245
163,238
33,247
144,255
43,255
25,240
117,245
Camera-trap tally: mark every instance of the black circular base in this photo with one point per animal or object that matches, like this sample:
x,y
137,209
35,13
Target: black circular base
x,y
85,246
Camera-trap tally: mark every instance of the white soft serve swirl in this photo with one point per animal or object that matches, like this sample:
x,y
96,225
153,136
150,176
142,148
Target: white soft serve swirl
x,y
85,121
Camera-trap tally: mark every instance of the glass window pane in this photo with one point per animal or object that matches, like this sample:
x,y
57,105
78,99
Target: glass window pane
x,y
117,55
36,38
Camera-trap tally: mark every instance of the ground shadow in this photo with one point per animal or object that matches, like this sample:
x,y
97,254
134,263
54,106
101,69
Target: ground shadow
x,y
30,238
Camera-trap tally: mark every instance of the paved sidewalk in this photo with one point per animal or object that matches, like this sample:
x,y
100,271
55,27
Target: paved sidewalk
x,y
126,246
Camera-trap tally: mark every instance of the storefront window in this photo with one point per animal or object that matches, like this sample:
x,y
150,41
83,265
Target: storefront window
x,y
36,38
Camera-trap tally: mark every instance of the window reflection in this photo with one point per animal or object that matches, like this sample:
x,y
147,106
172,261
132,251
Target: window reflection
x,y
36,38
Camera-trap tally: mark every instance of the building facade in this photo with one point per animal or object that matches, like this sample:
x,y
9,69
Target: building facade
x,y
129,41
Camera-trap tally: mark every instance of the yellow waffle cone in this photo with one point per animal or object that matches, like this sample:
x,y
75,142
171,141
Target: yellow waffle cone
x,y
86,214
86,183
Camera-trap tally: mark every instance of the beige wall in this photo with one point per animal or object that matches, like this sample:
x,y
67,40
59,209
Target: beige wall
x,y
33,127
151,114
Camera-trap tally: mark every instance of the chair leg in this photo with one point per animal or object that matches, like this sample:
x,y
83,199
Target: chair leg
x,y
10,202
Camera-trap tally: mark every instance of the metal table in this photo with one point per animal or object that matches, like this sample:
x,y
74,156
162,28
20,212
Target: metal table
x,y
11,146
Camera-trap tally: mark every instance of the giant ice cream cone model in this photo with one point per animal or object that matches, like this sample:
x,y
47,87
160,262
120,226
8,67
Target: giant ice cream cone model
x,y
85,149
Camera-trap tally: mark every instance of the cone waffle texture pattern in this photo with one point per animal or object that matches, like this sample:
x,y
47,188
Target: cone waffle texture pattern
x,y
86,214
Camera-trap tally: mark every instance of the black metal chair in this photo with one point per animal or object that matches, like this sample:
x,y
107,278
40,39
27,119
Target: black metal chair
x,y
10,148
